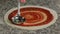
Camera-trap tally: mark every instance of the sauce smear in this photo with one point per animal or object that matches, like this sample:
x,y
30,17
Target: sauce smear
x,y
34,16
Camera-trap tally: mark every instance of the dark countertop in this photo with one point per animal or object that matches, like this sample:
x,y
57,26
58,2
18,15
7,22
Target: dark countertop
x,y
5,5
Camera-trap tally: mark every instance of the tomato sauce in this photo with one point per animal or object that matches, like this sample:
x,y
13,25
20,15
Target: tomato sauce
x,y
34,16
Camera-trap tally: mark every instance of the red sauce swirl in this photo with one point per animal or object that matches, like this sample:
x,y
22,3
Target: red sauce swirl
x,y
34,16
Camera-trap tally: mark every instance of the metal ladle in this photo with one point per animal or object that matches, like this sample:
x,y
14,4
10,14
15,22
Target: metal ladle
x,y
18,19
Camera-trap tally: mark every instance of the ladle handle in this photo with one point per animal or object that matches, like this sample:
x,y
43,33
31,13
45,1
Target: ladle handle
x,y
18,7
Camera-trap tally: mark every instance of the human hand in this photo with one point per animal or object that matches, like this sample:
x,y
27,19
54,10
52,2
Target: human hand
x,y
23,1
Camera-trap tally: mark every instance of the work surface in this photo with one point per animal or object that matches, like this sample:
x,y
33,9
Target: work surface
x,y
6,5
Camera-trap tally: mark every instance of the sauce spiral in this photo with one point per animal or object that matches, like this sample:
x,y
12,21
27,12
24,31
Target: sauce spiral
x,y
34,16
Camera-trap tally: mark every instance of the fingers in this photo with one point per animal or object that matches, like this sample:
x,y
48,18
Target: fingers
x,y
23,1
